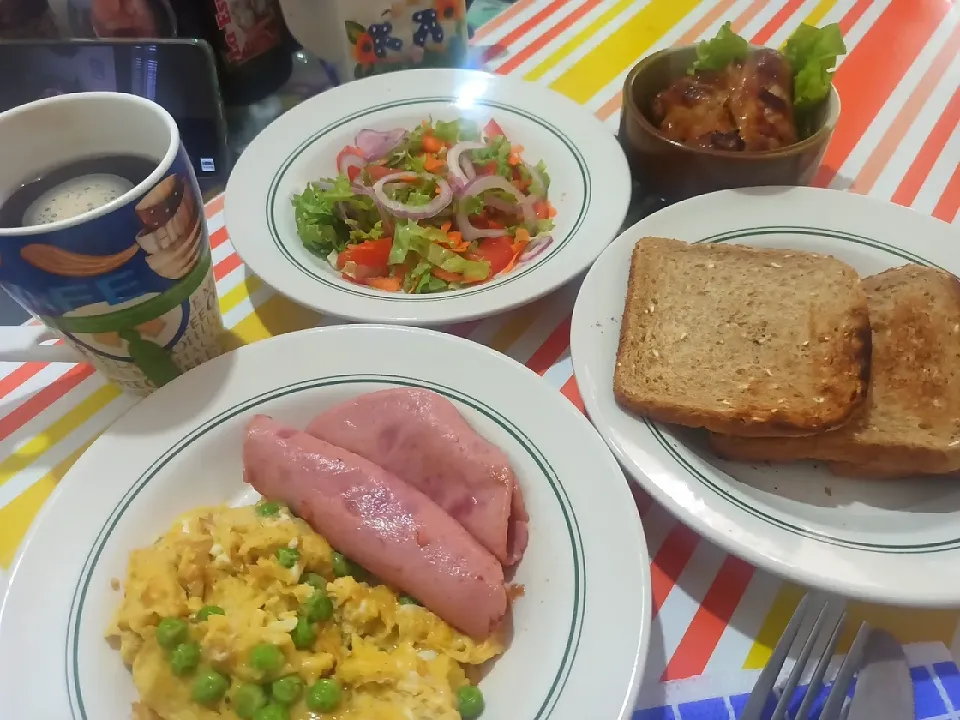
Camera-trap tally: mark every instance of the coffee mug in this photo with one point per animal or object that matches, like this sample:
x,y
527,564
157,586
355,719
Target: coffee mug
x,y
359,38
128,282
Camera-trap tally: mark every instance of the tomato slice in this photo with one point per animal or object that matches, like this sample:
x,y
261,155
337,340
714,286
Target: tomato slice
x,y
378,172
350,157
368,254
492,129
353,172
497,251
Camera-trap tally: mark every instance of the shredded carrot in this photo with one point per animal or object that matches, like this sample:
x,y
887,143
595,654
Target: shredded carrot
x,y
455,236
522,236
517,149
431,144
515,159
447,276
446,227
390,284
552,211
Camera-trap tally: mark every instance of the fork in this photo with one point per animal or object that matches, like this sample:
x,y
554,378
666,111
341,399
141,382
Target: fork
x,y
829,623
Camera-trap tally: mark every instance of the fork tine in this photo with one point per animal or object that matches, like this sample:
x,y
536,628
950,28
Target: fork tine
x,y
816,679
768,676
851,663
797,672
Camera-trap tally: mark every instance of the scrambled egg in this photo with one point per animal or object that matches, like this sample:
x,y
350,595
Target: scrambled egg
x,y
393,661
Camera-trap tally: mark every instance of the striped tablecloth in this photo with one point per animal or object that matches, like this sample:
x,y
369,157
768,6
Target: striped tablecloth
x,y
898,139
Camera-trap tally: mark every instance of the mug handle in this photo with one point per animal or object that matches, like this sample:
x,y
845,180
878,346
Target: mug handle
x,y
22,344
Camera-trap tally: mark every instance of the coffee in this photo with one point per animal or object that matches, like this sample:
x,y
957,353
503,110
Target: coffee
x,y
73,189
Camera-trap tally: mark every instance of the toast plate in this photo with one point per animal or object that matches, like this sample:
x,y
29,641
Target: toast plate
x,y
893,542
590,186
580,632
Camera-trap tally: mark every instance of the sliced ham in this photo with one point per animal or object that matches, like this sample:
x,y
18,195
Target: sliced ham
x,y
379,521
420,437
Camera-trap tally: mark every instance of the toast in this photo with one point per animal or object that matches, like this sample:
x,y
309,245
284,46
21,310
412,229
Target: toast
x,y
910,423
742,341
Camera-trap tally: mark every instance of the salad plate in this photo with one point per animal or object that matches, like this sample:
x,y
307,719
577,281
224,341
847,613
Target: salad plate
x,y
580,623
882,541
427,197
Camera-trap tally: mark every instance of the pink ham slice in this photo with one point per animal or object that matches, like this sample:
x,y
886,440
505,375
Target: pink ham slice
x,y
421,438
379,521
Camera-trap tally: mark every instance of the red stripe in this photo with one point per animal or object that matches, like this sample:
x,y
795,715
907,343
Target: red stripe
x,y
551,350
218,237
547,37
669,562
226,266
946,209
776,22
872,71
43,399
700,640
519,31
19,376
854,14
929,152
572,393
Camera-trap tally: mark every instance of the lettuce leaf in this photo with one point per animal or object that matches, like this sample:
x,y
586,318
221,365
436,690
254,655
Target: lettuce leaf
x,y
423,241
319,225
497,151
717,53
456,131
813,53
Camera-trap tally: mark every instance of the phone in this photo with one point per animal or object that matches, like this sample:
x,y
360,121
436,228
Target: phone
x,y
179,75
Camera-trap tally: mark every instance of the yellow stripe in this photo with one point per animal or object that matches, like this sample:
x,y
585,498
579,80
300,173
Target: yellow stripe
x,y
515,326
618,52
276,316
588,32
16,516
230,299
29,452
820,12
780,613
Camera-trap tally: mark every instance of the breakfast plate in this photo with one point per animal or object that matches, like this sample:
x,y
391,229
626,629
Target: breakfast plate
x,y
893,542
589,187
581,615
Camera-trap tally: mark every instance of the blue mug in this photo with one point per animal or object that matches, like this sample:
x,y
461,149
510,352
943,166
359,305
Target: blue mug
x,y
128,282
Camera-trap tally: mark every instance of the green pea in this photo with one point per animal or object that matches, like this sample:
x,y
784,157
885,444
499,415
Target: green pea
x,y
470,702
304,634
288,556
287,690
273,711
324,695
318,582
266,508
267,659
208,610
171,632
407,600
318,607
208,687
247,699
185,658
341,566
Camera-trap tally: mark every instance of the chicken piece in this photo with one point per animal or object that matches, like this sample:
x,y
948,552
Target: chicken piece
x,y
761,101
693,110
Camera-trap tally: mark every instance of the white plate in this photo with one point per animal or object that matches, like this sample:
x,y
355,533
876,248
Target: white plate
x,y
580,631
589,174
896,542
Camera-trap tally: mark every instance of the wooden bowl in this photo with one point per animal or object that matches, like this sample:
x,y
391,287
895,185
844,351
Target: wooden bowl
x,y
674,171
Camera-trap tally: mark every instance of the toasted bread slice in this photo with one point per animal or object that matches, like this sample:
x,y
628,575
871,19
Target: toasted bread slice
x,y
911,420
741,340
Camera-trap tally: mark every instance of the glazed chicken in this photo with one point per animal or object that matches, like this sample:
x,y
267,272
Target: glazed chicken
x,y
746,106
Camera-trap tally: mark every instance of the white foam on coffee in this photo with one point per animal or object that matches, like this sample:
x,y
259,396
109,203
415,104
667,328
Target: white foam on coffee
x,y
75,197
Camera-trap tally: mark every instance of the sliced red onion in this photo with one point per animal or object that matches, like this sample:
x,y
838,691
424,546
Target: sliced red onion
x,y
537,181
399,209
349,160
535,249
375,144
460,167
493,182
